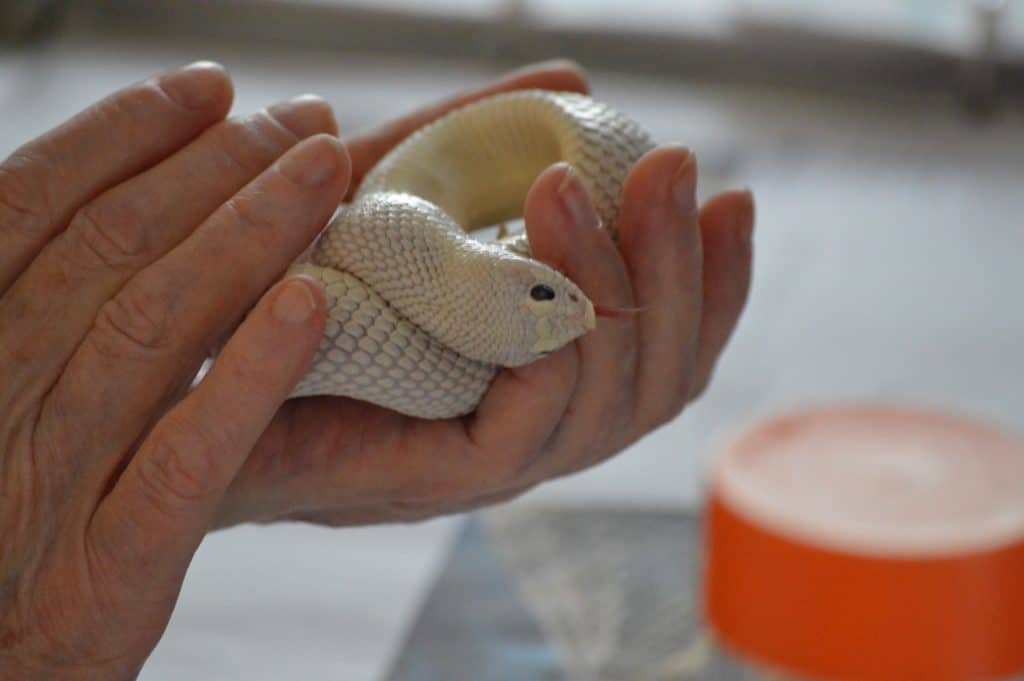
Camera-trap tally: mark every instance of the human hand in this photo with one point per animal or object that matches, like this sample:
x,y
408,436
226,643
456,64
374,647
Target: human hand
x,y
336,461
132,239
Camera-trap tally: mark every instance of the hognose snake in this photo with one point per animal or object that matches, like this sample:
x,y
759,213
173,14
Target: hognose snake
x,y
421,315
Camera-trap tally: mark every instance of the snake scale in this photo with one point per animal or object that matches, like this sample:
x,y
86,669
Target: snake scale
x,y
421,315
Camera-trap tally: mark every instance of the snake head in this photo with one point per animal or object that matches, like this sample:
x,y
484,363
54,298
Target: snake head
x,y
540,310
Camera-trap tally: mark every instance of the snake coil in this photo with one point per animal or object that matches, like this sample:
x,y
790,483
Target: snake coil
x,y
421,315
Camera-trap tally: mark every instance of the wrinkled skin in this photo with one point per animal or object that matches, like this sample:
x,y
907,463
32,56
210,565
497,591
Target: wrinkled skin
x,y
135,238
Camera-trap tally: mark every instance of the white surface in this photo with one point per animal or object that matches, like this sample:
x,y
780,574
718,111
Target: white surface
x,y
889,265
298,602
879,482
658,17
944,25
948,26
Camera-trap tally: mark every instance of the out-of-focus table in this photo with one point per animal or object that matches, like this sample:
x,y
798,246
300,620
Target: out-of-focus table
x,y
890,250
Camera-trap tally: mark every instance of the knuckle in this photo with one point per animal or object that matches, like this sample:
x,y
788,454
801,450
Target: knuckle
x,y
697,390
106,235
321,114
173,477
212,84
484,472
246,212
122,116
133,106
691,385
510,468
23,194
669,409
675,407
305,116
137,321
250,144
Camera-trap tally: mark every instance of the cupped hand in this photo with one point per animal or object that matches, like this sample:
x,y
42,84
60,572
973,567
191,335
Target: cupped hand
x,y
132,238
137,235
685,269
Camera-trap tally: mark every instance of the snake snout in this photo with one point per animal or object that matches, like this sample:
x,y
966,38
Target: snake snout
x,y
589,315
579,310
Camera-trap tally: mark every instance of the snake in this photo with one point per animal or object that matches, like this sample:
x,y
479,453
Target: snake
x,y
421,312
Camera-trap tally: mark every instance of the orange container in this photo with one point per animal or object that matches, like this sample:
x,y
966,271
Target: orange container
x,y
869,544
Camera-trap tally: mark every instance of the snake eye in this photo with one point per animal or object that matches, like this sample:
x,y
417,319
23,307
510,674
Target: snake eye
x,y
542,292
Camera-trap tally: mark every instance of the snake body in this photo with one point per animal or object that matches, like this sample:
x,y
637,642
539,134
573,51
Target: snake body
x,y
421,315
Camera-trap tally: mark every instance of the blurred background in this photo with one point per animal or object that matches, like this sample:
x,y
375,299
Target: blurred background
x,y
884,143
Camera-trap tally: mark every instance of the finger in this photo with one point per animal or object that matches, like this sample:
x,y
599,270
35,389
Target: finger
x,y
368,463
602,401
320,452
331,452
401,512
148,340
44,182
564,232
132,225
726,225
369,147
661,242
156,514
524,405
344,514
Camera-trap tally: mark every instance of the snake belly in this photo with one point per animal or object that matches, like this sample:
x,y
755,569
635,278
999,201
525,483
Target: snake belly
x,y
402,302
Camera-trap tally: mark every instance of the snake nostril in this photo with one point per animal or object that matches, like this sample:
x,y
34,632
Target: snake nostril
x,y
574,298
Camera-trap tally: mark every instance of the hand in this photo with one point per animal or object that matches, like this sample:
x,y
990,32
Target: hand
x,y
132,238
336,461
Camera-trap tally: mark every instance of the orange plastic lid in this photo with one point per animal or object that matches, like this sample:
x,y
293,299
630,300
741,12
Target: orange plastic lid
x,y
870,544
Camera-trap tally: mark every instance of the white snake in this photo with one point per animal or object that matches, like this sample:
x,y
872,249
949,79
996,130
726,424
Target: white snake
x,y
420,314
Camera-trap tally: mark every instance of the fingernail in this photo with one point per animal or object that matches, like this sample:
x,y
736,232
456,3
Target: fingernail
x,y
566,65
558,63
295,302
196,85
577,200
684,185
305,115
313,162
